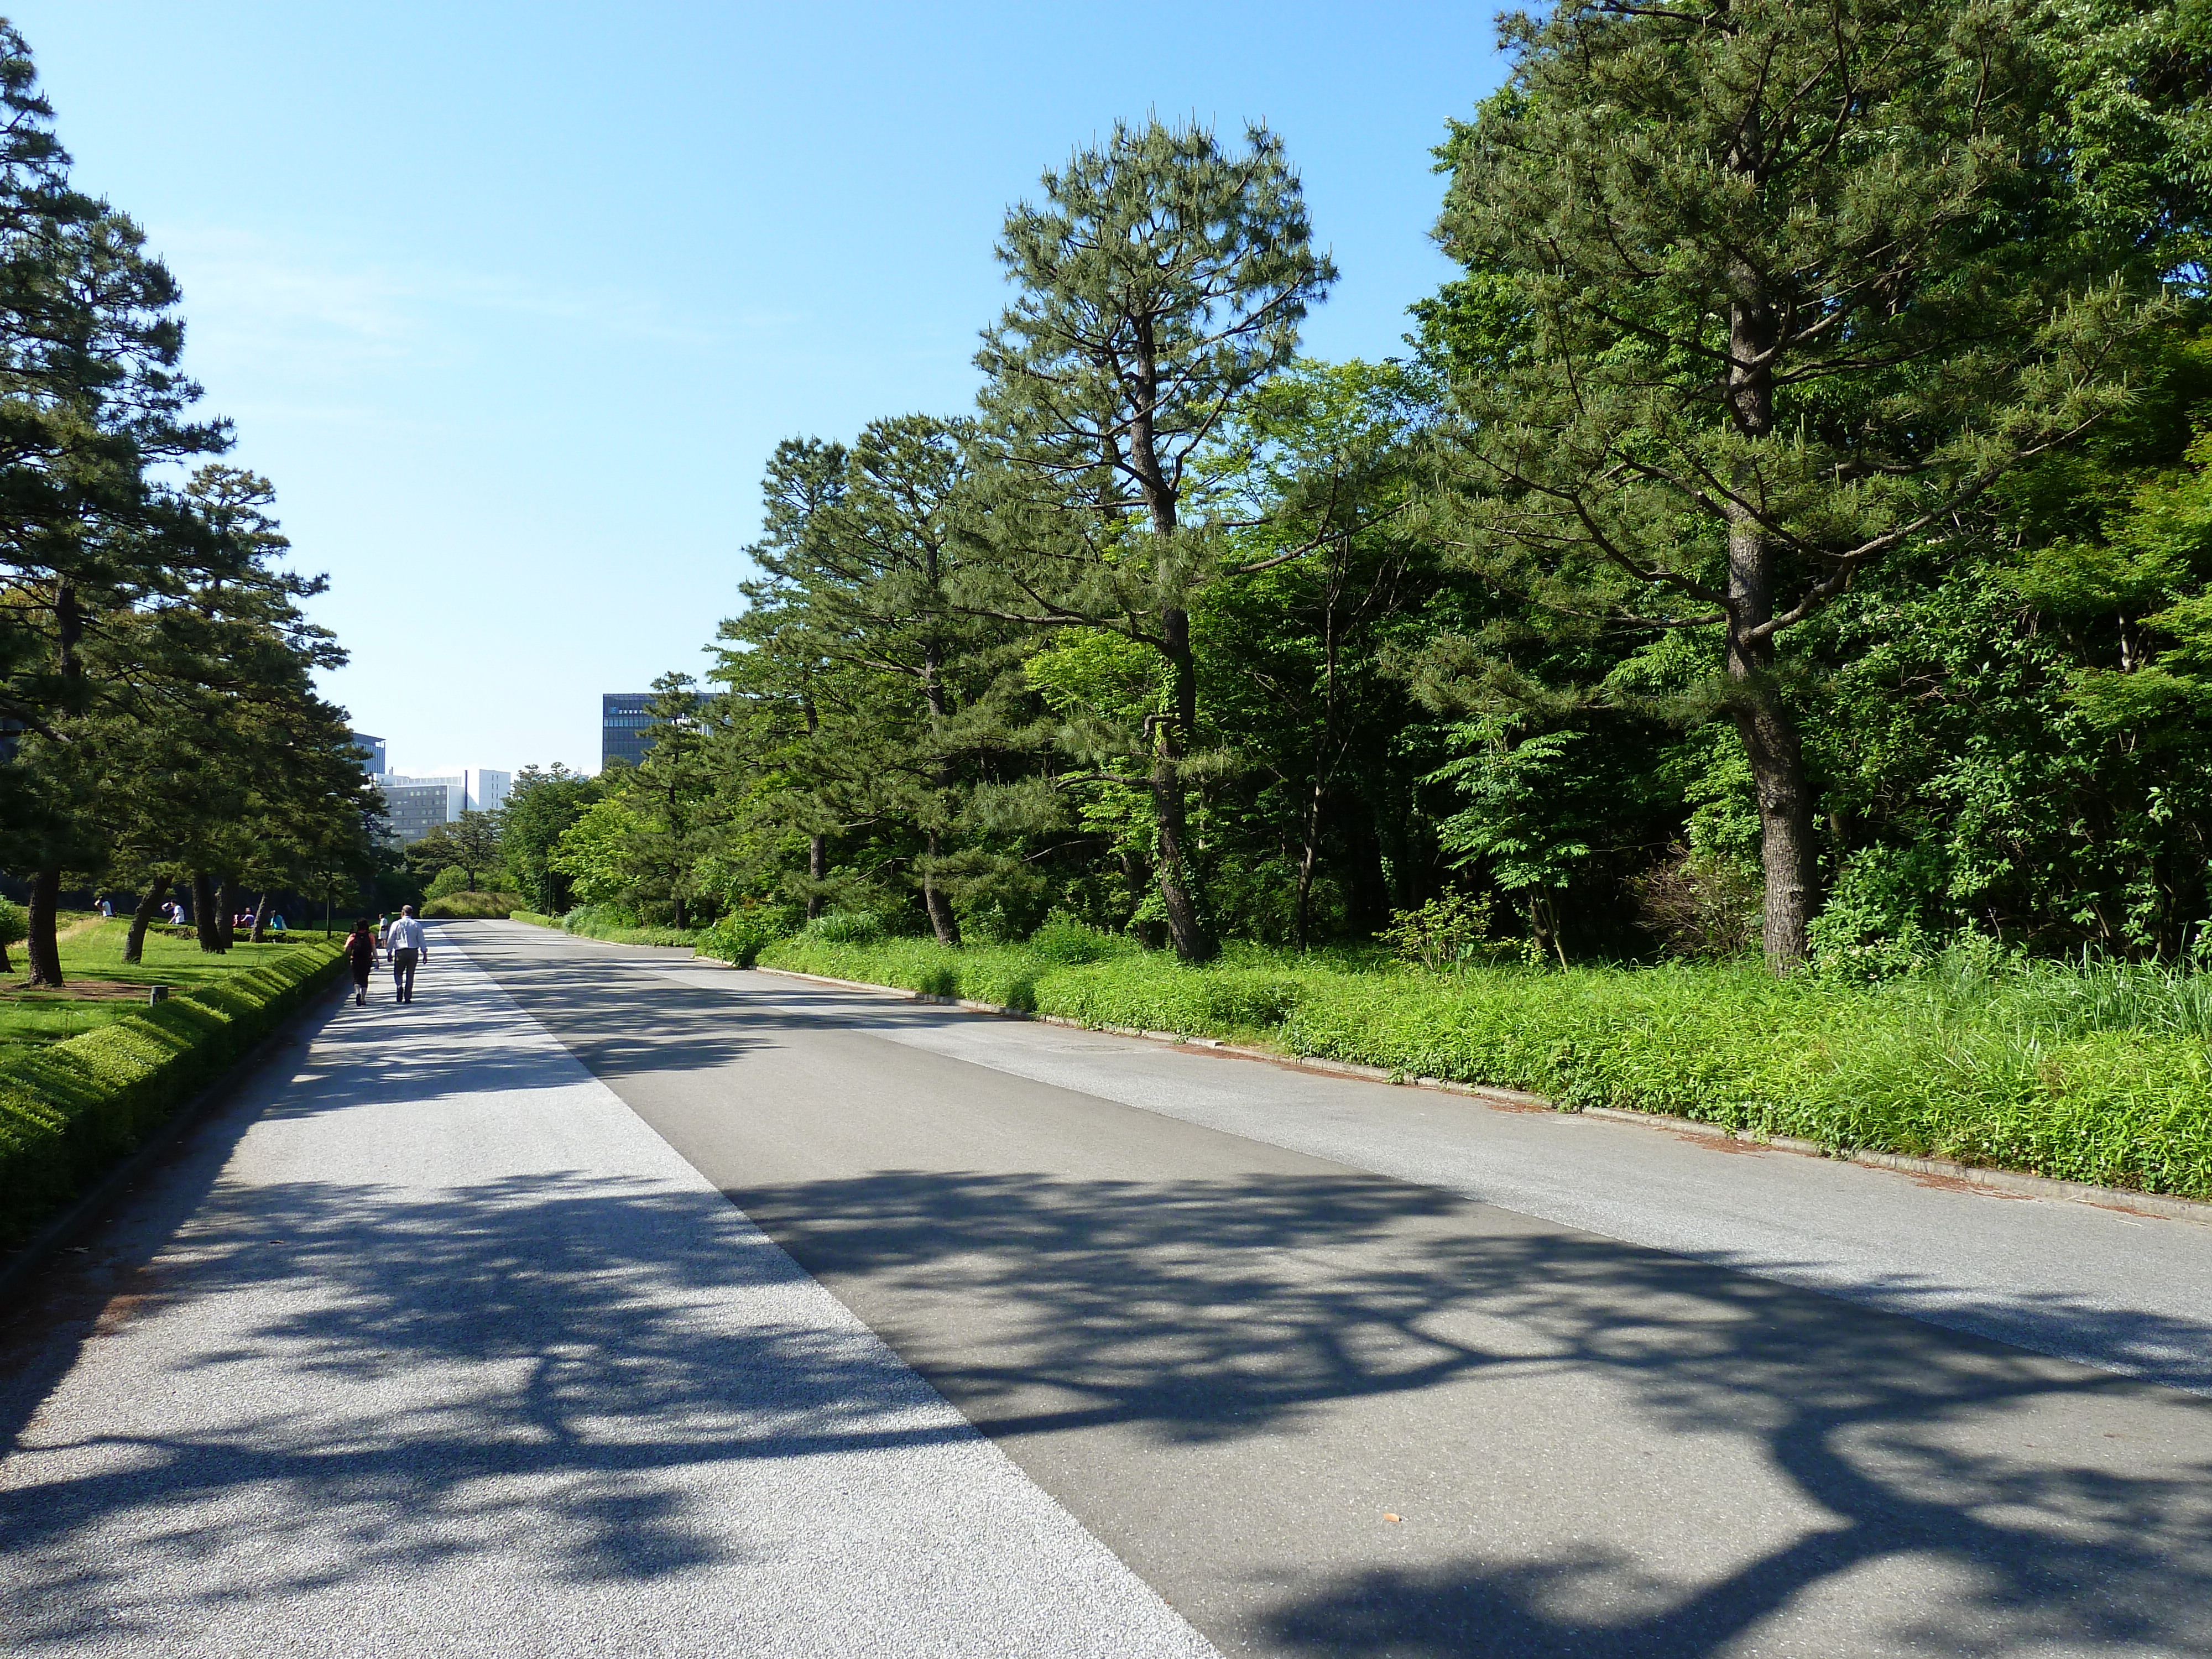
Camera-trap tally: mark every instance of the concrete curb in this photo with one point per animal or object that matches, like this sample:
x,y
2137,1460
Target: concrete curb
x,y
1996,1182
20,1266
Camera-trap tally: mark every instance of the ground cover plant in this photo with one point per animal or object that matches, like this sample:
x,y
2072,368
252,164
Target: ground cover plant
x,y
2095,1073
71,1104
619,926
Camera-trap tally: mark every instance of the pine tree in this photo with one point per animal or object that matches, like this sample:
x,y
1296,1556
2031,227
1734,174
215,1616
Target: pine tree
x,y
1163,279
1770,289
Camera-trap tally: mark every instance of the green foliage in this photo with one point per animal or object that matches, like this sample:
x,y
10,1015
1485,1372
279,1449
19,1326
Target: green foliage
x,y
1065,940
1159,285
847,927
541,806
1848,596
470,844
594,853
69,1109
1449,932
1768,310
618,926
739,936
2097,1074
448,881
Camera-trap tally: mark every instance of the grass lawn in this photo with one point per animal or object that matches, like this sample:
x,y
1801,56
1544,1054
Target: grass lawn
x,y
2097,1074
95,978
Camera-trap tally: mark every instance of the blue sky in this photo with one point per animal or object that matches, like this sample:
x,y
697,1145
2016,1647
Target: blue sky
x,y
512,300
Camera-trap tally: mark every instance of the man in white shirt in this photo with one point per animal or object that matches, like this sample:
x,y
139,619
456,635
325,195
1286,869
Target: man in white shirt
x,y
404,938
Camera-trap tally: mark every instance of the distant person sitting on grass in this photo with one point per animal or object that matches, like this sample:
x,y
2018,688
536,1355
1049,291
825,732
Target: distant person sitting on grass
x,y
361,959
407,946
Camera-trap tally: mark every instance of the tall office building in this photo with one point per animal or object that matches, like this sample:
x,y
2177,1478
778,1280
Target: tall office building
x,y
415,807
488,789
373,748
623,717
625,720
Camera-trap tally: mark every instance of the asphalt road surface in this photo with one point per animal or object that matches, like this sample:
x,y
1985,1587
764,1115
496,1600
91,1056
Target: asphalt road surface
x,y
604,1301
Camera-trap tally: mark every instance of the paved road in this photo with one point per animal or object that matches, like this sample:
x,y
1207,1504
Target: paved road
x,y
1624,1393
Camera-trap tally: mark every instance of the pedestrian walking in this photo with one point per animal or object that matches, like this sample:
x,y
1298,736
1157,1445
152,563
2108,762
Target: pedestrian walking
x,y
407,947
361,959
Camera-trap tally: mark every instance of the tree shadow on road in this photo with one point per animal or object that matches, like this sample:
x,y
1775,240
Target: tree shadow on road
x,y
1199,1311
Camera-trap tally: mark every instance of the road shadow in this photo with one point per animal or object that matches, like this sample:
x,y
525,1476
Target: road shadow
x,y
360,1383
1197,1311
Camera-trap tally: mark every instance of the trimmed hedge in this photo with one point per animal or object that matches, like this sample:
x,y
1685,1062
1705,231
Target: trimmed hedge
x,y
69,1110
473,906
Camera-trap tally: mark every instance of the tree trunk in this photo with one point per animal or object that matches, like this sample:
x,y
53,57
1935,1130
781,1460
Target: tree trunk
x,y
141,918
226,905
260,920
941,919
203,913
818,871
39,945
1178,893
1763,720
1308,855
1787,847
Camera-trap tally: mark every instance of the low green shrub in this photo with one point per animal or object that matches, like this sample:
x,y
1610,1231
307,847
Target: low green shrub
x,y
740,936
533,918
847,927
2094,1074
69,1110
467,905
1063,938
14,928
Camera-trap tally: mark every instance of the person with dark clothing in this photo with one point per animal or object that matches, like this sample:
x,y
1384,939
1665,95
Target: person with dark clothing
x,y
361,959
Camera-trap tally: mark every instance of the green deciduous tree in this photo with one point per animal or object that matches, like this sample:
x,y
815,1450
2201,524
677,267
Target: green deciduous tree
x,y
541,806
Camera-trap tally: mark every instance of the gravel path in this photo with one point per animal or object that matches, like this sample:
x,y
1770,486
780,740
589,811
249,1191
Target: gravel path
x,y
457,1356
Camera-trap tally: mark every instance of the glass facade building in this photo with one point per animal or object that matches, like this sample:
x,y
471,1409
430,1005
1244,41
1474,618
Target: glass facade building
x,y
626,721
623,718
373,748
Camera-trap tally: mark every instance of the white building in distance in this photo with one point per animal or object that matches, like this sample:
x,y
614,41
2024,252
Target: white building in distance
x,y
415,805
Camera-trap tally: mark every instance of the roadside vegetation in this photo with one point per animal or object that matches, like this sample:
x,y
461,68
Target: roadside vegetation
x,y
2096,1073
612,924
86,1074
